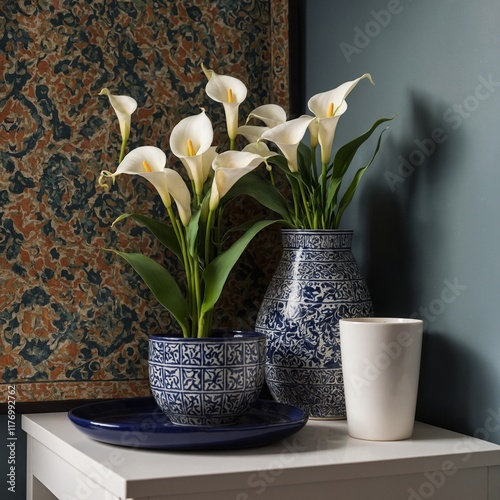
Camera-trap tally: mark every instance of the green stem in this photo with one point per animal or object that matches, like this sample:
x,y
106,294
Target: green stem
x,y
122,150
208,237
313,163
197,296
305,203
179,233
323,184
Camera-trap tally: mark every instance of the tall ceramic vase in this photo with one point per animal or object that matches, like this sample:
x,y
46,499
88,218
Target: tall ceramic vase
x,y
317,282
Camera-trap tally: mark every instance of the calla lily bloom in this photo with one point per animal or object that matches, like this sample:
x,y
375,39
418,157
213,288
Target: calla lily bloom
x,y
270,114
259,148
149,162
252,133
206,163
191,142
229,91
287,137
328,107
124,106
229,167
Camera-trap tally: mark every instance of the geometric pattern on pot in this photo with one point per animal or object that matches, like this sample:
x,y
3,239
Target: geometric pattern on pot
x,y
208,381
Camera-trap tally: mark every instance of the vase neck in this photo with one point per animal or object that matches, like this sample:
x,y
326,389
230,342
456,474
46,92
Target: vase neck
x,y
337,239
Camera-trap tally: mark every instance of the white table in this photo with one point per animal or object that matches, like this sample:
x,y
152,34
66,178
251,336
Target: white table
x,y
319,462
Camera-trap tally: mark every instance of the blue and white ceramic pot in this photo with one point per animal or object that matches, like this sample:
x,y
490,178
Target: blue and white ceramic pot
x,y
317,282
208,381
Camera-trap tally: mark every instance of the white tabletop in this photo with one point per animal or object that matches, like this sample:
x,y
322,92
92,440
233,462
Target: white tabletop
x,y
321,451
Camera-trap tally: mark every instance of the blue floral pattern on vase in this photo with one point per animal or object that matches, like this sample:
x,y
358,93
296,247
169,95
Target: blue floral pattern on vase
x,y
317,282
209,381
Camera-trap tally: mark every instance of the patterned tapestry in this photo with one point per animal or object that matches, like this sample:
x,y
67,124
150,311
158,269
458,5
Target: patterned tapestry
x,y
74,319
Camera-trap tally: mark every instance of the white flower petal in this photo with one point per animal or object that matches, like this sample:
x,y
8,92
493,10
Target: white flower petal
x,y
180,193
218,86
207,159
229,91
259,148
197,129
319,104
133,163
124,106
287,137
252,133
290,132
229,167
326,133
196,132
270,114
159,181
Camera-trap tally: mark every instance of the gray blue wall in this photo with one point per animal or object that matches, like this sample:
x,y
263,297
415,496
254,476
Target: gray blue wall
x,y
426,215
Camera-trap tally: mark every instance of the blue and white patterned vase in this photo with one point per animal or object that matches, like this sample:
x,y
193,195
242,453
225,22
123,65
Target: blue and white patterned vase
x,y
316,283
208,381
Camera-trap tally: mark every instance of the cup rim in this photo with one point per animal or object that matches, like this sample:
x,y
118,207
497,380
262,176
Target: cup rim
x,y
386,320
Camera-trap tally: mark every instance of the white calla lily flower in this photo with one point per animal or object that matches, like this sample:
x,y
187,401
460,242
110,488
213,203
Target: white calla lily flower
x,y
287,137
124,106
230,92
259,148
270,114
149,162
190,140
328,107
229,167
252,133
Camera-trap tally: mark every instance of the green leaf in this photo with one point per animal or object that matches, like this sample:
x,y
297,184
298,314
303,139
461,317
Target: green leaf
x,y
162,284
192,231
348,195
216,273
343,160
305,166
280,161
163,232
346,153
252,184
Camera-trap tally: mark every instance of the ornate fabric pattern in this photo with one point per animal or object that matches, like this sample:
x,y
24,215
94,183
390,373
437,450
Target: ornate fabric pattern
x,y
74,320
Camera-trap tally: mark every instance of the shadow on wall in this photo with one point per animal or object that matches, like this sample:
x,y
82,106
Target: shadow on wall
x,y
452,381
401,203
403,231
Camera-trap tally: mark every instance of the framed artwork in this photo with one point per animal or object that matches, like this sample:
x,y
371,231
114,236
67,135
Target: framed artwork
x,y
74,320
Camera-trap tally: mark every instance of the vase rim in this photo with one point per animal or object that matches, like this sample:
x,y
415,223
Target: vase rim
x,y
295,230
221,336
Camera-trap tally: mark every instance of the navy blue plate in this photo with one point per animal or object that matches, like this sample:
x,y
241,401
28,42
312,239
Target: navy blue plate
x,y
139,423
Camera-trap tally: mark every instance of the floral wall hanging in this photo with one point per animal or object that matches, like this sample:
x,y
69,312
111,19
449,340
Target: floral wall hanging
x,y
73,320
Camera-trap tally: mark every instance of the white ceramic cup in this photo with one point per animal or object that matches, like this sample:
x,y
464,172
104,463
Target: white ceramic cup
x,y
381,366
